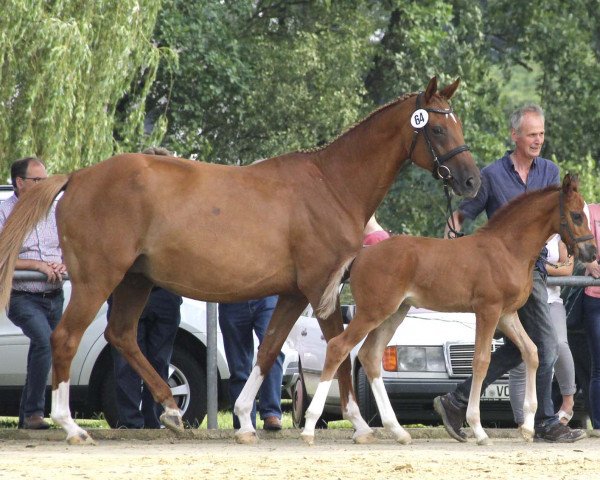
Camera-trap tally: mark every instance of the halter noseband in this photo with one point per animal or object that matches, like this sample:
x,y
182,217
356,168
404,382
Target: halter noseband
x,y
439,169
564,227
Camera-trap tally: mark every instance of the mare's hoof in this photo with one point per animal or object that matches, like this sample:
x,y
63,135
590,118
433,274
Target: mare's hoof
x,y
404,439
308,439
484,441
526,434
364,438
172,422
81,439
246,438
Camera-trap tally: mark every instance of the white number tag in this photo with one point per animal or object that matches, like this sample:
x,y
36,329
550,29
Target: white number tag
x,y
419,119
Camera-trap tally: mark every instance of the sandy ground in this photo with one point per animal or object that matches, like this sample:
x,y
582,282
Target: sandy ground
x,y
286,457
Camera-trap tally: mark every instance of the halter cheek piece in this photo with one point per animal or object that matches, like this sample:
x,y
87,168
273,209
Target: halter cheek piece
x,y
439,171
564,227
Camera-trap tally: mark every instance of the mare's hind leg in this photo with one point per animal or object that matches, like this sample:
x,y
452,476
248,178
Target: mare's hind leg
x,y
65,339
128,302
332,327
484,332
511,326
370,355
287,311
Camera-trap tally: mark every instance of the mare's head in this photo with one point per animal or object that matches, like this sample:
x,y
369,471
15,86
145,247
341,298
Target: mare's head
x,y
442,148
574,229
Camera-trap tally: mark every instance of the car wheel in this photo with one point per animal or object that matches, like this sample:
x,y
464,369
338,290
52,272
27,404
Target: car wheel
x,y
299,402
187,380
366,401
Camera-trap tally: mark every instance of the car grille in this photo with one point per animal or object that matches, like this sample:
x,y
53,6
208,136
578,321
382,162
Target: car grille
x,y
459,358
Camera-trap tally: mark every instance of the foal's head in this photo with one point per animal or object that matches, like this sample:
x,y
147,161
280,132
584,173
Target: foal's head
x,y
442,149
574,229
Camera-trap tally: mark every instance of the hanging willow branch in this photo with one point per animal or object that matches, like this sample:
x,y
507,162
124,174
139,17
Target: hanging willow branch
x,y
65,66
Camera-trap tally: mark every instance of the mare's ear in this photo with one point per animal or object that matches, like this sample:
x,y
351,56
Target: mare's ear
x,y
450,89
570,184
431,89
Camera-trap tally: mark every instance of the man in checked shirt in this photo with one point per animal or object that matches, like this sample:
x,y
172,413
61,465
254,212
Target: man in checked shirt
x,y
35,306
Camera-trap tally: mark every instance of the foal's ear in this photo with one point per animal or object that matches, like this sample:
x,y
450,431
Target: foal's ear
x,y
431,89
570,183
450,89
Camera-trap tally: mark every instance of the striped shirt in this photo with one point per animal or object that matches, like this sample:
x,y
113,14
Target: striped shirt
x,y
41,244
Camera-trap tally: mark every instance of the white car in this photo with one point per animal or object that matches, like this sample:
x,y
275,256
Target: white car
x,y
429,355
92,380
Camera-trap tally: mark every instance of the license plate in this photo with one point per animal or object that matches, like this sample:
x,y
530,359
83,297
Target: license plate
x,y
496,393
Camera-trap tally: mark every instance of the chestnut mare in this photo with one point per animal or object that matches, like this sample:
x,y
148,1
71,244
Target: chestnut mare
x,y
289,225
489,273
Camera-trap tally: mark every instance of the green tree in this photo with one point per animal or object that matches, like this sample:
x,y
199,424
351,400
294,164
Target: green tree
x,y
64,67
259,78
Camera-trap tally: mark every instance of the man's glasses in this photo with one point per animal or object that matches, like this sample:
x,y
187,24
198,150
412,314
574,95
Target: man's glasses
x,y
34,179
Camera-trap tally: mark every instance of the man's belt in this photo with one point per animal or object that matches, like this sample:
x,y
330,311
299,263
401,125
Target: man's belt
x,y
49,294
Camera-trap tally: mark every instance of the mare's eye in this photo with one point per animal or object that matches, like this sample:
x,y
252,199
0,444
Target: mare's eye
x,y
577,218
437,130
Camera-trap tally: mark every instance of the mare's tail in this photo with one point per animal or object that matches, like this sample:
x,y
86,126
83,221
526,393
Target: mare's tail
x,y
29,210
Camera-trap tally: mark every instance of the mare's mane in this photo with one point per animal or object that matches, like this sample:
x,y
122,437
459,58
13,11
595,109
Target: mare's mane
x,y
516,204
400,99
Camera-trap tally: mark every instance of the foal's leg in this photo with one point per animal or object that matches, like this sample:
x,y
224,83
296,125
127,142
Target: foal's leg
x,y
332,327
511,326
286,313
128,302
484,332
338,349
65,339
370,355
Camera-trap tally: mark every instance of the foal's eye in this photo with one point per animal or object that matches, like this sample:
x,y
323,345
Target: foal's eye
x,y
577,218
437,130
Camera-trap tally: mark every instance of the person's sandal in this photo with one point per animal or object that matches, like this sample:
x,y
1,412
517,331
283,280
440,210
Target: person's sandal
x,y
564,417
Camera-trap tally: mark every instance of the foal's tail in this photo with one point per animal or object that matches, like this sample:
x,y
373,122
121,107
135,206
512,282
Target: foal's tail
x,y
29,210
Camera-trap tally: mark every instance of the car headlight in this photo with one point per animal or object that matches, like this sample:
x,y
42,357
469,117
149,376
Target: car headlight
x,y
414,359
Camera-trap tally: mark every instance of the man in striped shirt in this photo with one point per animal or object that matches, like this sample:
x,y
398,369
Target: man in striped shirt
x,y
35,305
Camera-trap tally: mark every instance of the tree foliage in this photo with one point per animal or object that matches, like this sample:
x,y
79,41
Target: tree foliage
x,y
64,67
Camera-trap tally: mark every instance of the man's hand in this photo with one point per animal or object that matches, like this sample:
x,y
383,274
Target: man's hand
x,y
593,268
53,270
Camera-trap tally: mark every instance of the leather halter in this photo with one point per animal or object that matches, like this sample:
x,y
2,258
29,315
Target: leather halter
x,y
564,227
439,171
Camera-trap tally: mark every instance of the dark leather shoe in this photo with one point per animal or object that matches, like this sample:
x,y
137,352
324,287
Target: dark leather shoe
x,y
35,422
452,415
272,424
560,433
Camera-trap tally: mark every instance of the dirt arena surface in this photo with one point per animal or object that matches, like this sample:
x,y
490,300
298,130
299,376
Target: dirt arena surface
x,y
278,456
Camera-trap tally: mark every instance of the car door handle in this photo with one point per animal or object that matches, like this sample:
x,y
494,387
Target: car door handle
x,y
304,333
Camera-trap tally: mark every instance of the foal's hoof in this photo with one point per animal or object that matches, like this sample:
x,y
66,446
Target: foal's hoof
x,y
82,438
404,439
526,434
308,439
364,438
246,438
484,442
172,421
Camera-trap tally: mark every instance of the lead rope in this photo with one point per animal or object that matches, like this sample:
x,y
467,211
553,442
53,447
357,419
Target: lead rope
x,y
452,232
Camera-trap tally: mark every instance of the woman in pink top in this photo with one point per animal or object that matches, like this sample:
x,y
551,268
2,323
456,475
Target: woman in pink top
x,y
591,321
374,233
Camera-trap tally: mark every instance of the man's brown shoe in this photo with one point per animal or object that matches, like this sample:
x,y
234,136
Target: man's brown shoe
x,y
35,422
272,424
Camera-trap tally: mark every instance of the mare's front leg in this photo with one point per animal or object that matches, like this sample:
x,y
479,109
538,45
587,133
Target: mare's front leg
x,y
286,313
486,322
511,326
65,340
331,328
370,355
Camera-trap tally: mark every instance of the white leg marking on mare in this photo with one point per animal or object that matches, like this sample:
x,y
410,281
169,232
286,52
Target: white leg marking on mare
x,y
245,402
61,414
315,410
386,412
363,433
